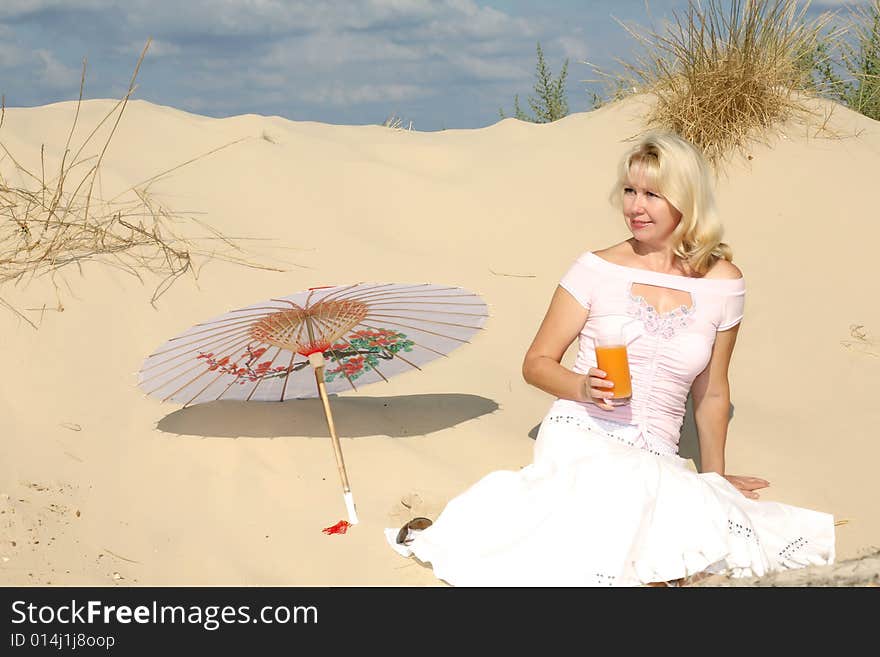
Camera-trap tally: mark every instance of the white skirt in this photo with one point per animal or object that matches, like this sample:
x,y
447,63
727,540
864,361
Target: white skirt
x,y
594,511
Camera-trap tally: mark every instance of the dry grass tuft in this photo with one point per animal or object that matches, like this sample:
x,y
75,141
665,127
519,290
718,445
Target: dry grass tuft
x,y
725,72
396,123
50,222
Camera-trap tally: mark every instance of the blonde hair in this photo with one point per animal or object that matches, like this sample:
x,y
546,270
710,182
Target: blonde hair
x,y
675,169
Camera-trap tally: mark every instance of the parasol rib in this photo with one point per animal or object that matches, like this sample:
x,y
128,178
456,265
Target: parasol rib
x,y
442,335
199,347
340,293
427,303
417,344
239,377
287,378
216,378
231,321
436,312
263,378
214,332
196,365
225,316
195,378
399,357
427,321
377,295
392,296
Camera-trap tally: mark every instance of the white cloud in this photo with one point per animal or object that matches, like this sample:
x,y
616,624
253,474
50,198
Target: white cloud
x,y
342,94
423,18
463,19
268,79
14,8
10,55
157,48
234,17
55,74
327,50
489,69
573,48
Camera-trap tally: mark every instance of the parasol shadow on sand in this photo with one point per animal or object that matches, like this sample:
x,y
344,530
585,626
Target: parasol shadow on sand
x,y
397,416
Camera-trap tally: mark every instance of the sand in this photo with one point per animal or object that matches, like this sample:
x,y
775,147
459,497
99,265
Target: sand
x,y
100,485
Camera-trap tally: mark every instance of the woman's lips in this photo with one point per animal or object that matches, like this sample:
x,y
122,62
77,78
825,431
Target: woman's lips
x,y
635,223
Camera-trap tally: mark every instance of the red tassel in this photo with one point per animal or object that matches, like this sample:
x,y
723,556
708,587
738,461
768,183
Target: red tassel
x,y
339,528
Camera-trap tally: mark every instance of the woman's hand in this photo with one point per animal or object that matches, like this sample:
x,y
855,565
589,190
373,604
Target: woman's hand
x,y
747,485
597,388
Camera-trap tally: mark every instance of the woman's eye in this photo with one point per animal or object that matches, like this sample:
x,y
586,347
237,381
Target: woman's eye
x,y
628,190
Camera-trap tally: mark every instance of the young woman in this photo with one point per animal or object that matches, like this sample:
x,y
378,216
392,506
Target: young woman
x,y
607,500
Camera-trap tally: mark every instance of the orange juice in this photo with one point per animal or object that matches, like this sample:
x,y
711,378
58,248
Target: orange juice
x,y
613,361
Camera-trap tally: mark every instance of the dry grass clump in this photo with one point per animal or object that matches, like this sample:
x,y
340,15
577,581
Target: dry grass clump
x,y
723,72
50,221
396,123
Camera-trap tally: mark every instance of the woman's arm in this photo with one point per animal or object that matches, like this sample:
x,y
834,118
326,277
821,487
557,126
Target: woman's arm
x,y
711,395
541,366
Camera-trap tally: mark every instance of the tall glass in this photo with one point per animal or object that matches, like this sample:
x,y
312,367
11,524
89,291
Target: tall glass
x,y
611,357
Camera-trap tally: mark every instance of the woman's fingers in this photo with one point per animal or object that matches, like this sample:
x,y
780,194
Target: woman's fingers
x,y
598,378
750,483
600,398
746,491
599,388
747,485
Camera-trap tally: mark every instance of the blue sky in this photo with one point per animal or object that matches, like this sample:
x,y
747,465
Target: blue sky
x,y
437,63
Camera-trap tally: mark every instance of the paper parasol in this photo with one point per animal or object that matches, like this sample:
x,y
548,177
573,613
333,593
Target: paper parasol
x,y
348,335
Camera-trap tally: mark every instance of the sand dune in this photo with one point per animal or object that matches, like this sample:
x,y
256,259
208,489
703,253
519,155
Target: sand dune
x,y
103,486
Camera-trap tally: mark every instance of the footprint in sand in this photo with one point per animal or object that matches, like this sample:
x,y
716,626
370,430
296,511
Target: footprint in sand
x,y
413,505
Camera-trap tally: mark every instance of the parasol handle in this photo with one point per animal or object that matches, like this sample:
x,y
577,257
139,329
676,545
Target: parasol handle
x,y
316,360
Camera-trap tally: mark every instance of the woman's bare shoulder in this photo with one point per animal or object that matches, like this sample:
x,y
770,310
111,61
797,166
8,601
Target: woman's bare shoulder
x,y
616,253
723,269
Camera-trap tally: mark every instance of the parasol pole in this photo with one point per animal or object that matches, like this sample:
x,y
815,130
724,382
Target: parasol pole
x,y
316,360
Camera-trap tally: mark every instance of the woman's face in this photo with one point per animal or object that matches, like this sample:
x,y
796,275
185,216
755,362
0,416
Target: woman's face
x,y
649,216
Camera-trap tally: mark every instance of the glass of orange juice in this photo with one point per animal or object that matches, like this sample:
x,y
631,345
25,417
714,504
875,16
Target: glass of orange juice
x,y
611,357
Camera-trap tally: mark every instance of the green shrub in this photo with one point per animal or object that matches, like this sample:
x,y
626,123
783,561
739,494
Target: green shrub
x,y
549,103
858,57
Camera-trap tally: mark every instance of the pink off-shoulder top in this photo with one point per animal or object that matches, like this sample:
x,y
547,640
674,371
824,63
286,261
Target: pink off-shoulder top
x,y
666,351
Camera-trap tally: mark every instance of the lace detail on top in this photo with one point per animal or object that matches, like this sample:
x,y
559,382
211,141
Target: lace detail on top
x,y
663,324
